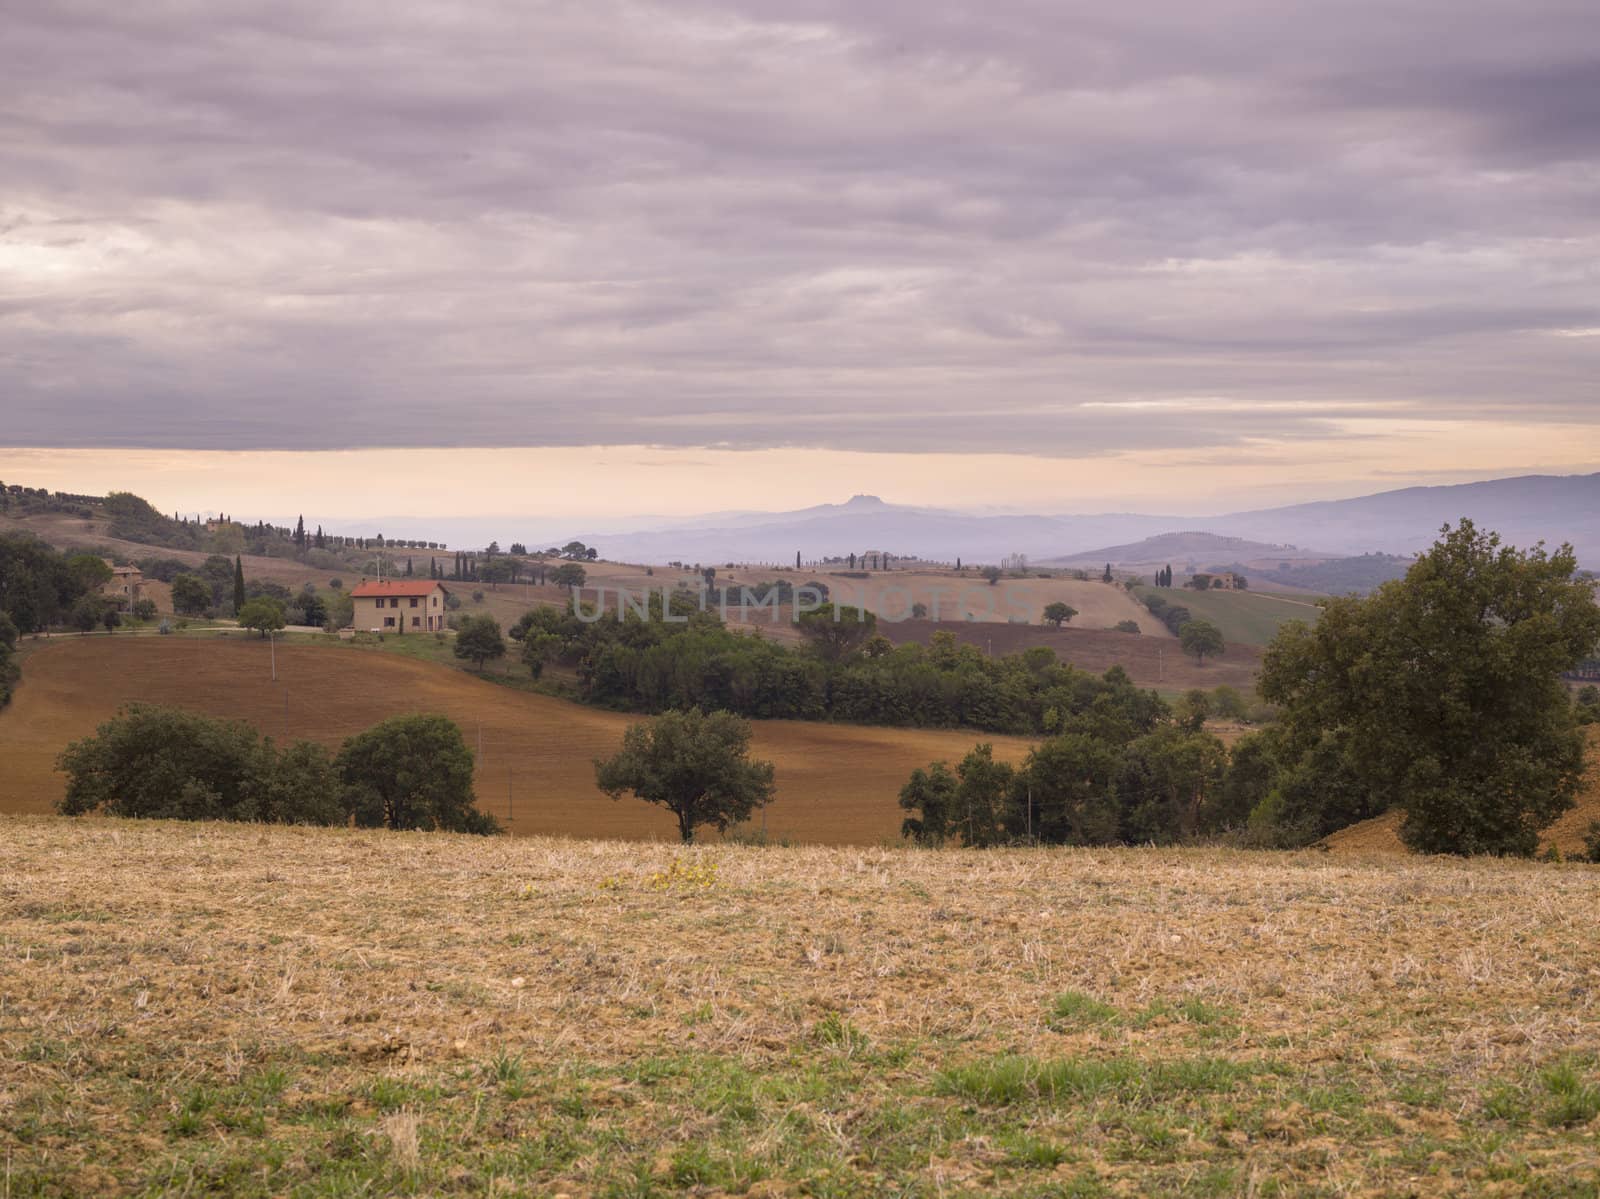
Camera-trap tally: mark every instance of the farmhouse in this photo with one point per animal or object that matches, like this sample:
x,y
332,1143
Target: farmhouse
x,y
125,585
399,605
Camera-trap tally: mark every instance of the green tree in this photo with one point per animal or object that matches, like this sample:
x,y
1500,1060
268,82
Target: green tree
x,y
238,584
144,609
8,665
697,766
983,789
538,648
111,618
993,574
190,595
340,612
1191,710
86,613
411,772
478,639
570,575
931,794
89,572
1058,613
1200,638
1167,782
1443,689
162,763
836,631
262,614
1064,792
300,786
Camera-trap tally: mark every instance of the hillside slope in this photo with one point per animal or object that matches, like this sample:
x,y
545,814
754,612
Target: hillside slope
x,y
837,784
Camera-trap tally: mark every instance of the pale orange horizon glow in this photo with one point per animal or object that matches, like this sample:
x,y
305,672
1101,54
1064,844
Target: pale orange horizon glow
x,y
591,487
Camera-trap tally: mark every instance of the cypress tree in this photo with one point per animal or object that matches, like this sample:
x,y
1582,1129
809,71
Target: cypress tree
x,y
238,582
408,568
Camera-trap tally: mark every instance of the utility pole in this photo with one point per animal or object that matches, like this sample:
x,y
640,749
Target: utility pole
x,y
272,646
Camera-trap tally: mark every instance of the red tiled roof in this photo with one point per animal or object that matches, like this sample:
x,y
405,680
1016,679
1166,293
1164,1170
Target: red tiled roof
x,y
372,588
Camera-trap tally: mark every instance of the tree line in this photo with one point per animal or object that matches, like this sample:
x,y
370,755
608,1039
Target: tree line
x,y
407,772
846,671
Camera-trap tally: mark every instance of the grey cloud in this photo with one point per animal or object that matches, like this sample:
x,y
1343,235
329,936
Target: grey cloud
x,y
887,225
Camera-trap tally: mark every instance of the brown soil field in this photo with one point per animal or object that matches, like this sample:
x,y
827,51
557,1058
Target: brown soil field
x,y
253,1011
1381,834
1150,661
837,784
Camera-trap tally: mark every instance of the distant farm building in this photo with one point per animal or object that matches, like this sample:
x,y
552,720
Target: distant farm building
x,y
125,586
1224,581
399,605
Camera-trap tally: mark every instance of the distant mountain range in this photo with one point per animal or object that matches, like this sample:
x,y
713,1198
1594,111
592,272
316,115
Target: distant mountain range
x,y
1524,510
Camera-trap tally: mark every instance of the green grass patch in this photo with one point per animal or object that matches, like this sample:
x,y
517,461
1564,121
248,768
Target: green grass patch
x,y
1014,1079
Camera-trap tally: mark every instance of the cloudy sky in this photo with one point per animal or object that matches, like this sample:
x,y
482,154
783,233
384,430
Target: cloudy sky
x,y
1246,249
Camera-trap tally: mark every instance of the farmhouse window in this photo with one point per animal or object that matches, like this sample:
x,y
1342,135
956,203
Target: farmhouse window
x,y
388,622
413,602
416,622
380,601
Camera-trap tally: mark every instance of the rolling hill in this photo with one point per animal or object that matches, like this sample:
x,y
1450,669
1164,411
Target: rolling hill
x,y
1180,548
837,784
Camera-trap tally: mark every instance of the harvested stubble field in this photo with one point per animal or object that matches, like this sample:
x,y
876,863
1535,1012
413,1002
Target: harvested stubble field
x,y
251,1011
837,784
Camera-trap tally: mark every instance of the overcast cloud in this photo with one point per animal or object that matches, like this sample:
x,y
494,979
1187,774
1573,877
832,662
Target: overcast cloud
x,y
1018,225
